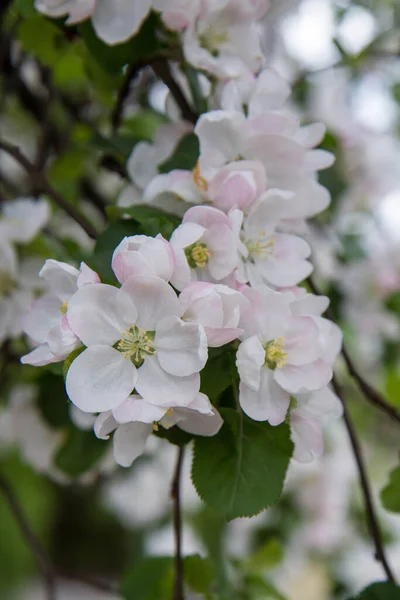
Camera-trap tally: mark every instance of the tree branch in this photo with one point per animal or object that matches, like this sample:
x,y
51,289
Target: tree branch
x,y
42,185
371,394
370,514
44,563
177,523
118,110
162,69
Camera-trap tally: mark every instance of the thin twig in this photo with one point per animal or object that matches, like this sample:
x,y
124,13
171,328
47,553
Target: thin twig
x,y
45,565
162,69
177,523
370,393
118,110
370,513
42,185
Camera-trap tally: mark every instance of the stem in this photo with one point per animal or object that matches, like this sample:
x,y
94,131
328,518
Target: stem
x,y
44,563
370,513
371,394
177,523
162,69
44,186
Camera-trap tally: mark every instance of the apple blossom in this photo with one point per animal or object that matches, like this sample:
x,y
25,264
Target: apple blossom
x,y
237,185
279,357
205,246
134,420
135,339
216,307
46,322
143,255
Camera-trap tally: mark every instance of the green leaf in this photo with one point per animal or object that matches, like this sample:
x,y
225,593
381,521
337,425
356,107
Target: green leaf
x,y
80,452
46,46
52,400
199,573
390,495
219,372
152,220
112,58
392,386
241,470
379,591
261,589
270,555
185,155
149,579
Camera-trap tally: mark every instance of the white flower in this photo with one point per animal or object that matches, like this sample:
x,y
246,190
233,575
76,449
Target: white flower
x,y
143,255
134,420
237,185
46,323
216,307
282,357
22,219
205,246
307,419
225,39
134,339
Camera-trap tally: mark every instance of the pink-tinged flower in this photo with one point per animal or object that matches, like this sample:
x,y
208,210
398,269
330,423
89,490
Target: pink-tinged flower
x,y
225,39
280,360
237,185
135,419
178,14
307,420
216,307
143,255
205,246
46,323
114,22
277,259
134,339
273,138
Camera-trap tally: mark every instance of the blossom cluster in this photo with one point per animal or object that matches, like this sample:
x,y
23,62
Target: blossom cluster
x,y
220,37
229,274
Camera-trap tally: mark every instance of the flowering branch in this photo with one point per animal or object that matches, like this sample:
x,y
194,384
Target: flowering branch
x,y
370,513
370,393
44,186
45,565
162,69
177,522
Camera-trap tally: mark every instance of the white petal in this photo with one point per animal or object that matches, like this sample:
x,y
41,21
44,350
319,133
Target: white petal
x,y
62,340
135,408
116,21
153,299
43,315
305,378
250,358
200,424
99,379
181,347
269,403
86,275
129,442
99,313
307,438
61,277
104,425
40,356
186,235
162,389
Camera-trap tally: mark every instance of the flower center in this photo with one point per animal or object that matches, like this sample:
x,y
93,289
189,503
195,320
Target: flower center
x,y
211,38
275,355
7,284
136,344
63,308
198,179
262,249
197,255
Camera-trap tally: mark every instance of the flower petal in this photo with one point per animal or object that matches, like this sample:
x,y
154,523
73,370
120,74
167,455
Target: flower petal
x,y
162,389
99,313
153,299
250,358
181,347
61,277
304,378
129,442
40,356
135,408
99,379
115,21
104,425
200,424
269,403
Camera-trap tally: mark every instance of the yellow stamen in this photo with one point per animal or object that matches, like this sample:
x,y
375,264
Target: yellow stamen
x,y
63,308
198,179
261,250
136,344
275,355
